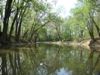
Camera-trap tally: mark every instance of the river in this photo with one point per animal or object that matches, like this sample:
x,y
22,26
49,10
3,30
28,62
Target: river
x,y
46,59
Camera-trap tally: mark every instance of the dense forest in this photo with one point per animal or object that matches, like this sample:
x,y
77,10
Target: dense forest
x,y
36,40
33,20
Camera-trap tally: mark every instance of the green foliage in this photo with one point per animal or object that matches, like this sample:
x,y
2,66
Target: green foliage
x,y
34,20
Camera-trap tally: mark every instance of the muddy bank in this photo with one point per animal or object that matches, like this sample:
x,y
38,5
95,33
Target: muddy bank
x,y
68,43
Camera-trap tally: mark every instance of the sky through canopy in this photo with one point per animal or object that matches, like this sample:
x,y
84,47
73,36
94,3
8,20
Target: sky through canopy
x,y
63,6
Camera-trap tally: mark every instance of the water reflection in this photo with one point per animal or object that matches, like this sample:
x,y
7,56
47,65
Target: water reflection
x,y
63,71
49,60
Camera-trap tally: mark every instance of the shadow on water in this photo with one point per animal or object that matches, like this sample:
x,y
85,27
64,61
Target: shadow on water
x,y
49,60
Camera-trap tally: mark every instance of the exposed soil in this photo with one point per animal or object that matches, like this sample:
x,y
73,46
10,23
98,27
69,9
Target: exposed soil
x,y
89,44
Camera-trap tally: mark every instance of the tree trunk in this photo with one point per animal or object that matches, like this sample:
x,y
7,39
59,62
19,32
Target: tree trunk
x,y
6,20
20,24
97,27
90,29
12,26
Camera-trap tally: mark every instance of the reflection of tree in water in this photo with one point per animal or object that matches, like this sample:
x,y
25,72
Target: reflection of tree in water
x,y
14,59
10,63
30,61
93,63
89,69
3,64
48,61
15,63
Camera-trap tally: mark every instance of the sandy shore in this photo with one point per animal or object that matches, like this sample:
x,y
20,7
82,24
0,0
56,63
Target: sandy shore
x,y
84,44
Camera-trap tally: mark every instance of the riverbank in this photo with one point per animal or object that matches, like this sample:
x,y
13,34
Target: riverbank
x,y
68,43
89,44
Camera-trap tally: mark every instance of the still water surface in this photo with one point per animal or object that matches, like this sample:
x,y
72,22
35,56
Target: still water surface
x,y
49,60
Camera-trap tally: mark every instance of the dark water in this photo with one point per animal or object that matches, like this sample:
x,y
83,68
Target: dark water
x,y
49,60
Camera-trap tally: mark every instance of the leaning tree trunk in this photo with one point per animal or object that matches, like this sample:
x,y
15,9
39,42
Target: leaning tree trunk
x,y
90,29
20,24
97,27
12,25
